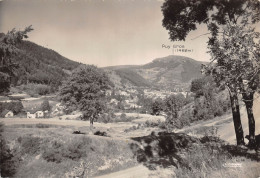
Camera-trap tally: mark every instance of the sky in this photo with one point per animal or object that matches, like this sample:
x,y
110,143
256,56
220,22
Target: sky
x,y
100,32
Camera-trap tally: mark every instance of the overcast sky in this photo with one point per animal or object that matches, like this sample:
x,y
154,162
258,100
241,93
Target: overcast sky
x,y
104,33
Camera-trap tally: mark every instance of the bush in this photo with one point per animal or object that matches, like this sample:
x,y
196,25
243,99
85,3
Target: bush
x,y
29,145
162,125
123,116
150,124
106,117
100,133
53,153
74,150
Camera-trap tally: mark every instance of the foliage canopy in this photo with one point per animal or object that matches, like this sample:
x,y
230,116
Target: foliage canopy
x,y
85,90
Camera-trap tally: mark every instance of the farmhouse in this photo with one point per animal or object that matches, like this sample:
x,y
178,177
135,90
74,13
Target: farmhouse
x,y
35,113
7,113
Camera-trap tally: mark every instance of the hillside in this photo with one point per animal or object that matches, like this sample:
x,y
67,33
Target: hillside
x,y
40,65
171,72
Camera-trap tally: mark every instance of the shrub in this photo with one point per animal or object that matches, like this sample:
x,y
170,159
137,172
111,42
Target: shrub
x,y
74,150
162,125
100,133
53,153
106,117
123,116
132,128
29,145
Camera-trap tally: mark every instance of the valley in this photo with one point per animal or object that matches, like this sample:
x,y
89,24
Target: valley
x,y
184,103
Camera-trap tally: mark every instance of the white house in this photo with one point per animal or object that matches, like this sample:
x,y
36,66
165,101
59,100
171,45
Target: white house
x,y
35,114
39,114
29,115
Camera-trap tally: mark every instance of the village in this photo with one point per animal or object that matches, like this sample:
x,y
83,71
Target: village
x,y
34,107
29,107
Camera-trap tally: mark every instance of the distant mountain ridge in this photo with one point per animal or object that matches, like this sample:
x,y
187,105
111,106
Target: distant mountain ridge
x,y
40,65
171,72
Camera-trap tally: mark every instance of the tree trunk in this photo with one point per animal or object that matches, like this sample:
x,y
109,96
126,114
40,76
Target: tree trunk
x,y
249,100
91,124
236,118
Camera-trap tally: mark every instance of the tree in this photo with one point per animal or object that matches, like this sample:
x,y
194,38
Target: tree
x,y
203,87
240,44
181,17
206,102
45,106
145,102
16,107
85,90
173,105
8,48
157,107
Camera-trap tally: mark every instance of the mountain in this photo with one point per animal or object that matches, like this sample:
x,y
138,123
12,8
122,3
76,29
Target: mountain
x,y
45,66
41,65
171,72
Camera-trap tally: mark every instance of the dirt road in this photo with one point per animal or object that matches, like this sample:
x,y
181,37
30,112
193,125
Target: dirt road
x,y
137,171
227,132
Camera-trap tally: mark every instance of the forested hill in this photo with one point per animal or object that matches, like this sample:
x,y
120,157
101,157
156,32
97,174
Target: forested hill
x,y
41,65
